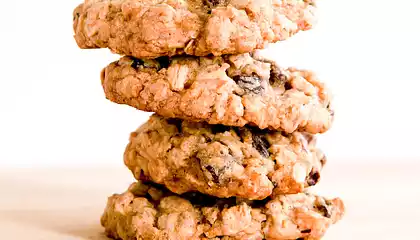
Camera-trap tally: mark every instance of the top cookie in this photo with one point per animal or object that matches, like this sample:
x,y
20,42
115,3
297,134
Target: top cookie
x,y
149,28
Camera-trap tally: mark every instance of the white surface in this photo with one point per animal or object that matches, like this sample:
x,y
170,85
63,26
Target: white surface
x,y
53,112
66,204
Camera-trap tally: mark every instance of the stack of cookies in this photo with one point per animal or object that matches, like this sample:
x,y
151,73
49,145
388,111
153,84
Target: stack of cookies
x,y
231,148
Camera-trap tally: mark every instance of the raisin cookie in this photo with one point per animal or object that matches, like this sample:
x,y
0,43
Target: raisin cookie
x,y
223,161
150,212
150,29
232,90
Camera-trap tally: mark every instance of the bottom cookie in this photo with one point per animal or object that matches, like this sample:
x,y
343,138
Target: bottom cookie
x,y
148,211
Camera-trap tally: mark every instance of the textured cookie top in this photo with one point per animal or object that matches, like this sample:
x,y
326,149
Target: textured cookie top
x,y
149,212
223,161
232,90
150,28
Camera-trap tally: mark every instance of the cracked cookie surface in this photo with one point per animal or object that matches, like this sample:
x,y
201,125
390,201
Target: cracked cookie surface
x,y
232,90
223,161
150,28
150,212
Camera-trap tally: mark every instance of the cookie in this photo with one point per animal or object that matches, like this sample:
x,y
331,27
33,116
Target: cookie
x,y
223,161
232,90
150,29
149,212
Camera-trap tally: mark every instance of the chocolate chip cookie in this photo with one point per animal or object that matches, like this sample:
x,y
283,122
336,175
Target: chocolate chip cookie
x,y
223,161
232,90
150,29
149,212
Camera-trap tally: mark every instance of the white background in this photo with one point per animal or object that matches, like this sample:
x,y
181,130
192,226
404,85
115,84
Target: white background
x,y
53,111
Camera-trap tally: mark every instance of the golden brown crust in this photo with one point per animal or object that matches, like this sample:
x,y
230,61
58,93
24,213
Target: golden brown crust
x,y
232,90
149,212
223,161
150,28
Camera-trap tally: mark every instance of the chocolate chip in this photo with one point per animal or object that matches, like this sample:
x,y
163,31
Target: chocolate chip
x,y
163,61
219,128
306,231
276,76
313,178
251,84
260,143
213,173
136,63
300,239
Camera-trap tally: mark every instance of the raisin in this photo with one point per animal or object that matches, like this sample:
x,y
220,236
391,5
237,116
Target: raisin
x,y
251,84
313,178
323,210
306,231
260,143
213,173
136,63
287,86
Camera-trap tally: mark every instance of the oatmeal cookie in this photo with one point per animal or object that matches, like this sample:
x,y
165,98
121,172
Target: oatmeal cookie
x,y
148,212
232,90
150,29
223,161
